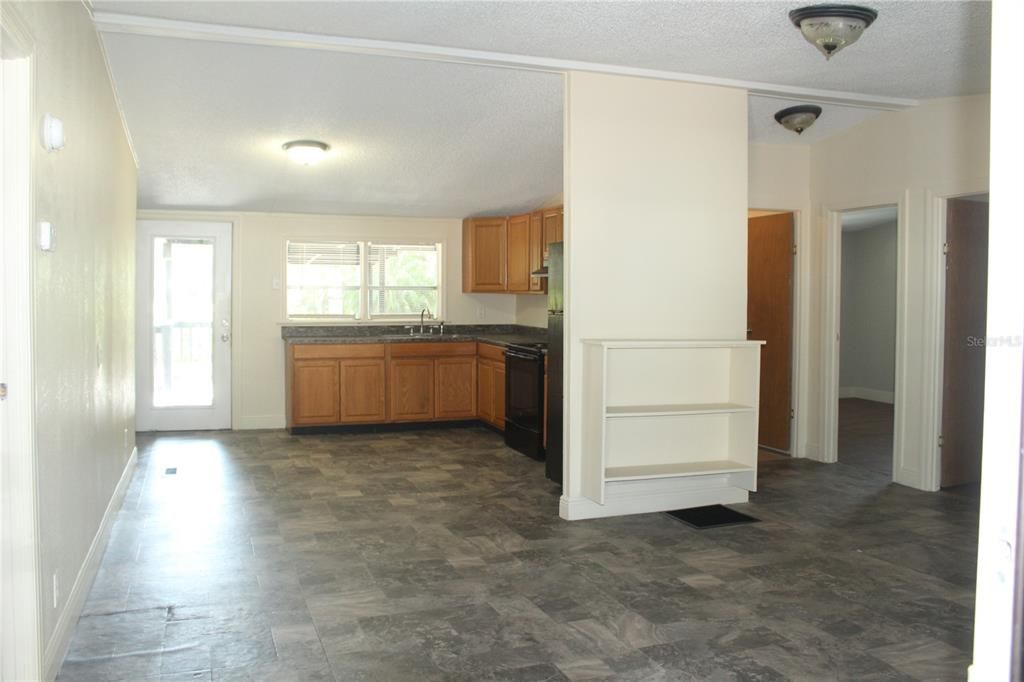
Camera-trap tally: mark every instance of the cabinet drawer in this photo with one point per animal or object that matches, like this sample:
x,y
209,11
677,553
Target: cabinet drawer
x,y
313,351
488,351
432,350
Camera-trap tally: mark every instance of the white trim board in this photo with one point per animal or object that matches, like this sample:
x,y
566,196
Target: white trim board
x,y
863,393
657,495
57,647
190,30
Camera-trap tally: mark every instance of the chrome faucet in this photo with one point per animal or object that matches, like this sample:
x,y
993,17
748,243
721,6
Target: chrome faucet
x,y
425,311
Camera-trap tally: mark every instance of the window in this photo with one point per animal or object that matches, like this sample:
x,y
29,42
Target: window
x,y
362,280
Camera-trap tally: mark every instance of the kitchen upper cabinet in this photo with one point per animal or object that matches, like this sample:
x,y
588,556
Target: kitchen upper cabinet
x,y
455,382
519,254
552,226
315,396
537,284
484,255
362,391
412,389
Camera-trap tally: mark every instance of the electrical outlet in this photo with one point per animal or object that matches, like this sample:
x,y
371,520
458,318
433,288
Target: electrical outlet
x,y
481,313
56,590
275,284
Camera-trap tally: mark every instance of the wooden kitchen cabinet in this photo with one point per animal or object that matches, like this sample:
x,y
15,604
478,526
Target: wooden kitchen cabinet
x,y
412,389
484,255
315,396
455,388
537,284
491,384
519,254
362,391
551,219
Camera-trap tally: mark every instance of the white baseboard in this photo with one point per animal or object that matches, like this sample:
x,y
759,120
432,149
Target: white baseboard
x,y
644,497
57,647
867,394
266,421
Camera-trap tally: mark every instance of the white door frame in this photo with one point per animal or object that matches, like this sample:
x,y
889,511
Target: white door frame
x,y
797,443
832,278
936,206
217,416
20,633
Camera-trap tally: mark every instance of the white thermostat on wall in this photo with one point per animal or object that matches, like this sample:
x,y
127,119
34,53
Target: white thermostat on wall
x,y
46,235
53,133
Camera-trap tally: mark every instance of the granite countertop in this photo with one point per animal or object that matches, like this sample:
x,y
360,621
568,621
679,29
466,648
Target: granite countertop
x,y
498,334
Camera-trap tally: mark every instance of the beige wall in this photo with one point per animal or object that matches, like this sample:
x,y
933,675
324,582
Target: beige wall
x,y
656,203
83,304
258,400
532,311
937,149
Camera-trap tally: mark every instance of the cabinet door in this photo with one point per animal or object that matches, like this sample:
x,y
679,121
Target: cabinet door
x,y
412,389
537,284
455,387
362,390
499,397
485,390
552,219
315,393
484,261
519,253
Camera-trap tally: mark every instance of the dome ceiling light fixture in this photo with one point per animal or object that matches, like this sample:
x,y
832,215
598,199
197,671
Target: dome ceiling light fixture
x,y
306,152
830,28
798,118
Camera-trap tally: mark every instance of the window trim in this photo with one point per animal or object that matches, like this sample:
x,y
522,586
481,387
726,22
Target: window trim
x,y
363,316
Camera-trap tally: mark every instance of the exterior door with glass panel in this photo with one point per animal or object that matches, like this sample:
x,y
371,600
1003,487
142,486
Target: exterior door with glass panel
x,y
183,326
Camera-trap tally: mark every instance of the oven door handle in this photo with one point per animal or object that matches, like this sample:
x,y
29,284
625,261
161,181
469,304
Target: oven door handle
x,y
521,356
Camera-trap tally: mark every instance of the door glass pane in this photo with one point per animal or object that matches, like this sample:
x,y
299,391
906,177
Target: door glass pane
x,y
182,322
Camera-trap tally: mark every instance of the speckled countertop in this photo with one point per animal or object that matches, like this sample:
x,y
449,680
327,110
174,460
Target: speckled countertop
x,y
498,334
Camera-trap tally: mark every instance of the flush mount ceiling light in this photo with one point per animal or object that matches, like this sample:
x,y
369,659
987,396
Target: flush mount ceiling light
x,y
306,152
798,118
830,28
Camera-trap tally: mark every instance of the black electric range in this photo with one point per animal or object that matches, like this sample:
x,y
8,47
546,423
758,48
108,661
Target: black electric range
x,y
524,398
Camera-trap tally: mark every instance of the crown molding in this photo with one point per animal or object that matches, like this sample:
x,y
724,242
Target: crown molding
x,y
189,30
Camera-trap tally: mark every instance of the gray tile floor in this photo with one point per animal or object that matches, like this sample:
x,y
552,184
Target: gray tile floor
x,y
439,555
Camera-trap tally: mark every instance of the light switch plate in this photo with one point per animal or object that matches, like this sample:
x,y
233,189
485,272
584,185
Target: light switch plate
x,y
46,235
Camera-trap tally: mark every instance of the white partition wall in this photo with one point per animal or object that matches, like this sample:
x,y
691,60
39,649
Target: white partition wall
x,y
681,412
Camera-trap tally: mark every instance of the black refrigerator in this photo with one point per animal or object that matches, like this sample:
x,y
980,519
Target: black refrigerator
x,y
556,350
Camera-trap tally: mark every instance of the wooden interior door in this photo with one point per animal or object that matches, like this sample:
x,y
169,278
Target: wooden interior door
x,y
412,389
519,253
770,319
315,393
455,386
963,375
362,390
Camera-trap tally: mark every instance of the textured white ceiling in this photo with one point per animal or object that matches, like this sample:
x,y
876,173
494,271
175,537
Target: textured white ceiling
x,y
441,139
916,49
867,218
408,137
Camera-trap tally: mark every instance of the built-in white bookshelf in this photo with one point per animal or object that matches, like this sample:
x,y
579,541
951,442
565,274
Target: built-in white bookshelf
x,y
671,409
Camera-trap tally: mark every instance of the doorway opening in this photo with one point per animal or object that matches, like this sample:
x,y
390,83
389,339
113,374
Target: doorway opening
x,y
964,342
771,247
867,332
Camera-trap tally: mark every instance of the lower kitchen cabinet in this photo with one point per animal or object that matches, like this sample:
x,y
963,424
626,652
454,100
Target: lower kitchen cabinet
x,y
315,395
412,389
491,385
455,384
362,391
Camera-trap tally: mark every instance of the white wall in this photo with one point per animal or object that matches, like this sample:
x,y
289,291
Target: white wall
x,y
257,395
779,177
867,357
656,203
937,149
82,307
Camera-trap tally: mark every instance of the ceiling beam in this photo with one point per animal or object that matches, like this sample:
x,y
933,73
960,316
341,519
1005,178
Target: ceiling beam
x,y
189,30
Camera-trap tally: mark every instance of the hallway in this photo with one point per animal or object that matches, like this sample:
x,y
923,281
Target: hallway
x,y
439,555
